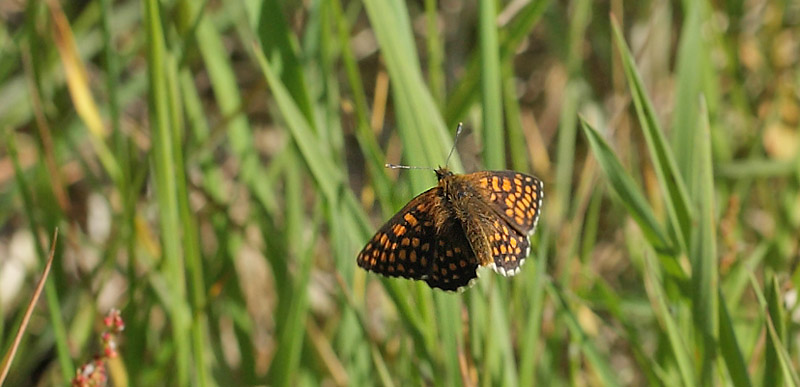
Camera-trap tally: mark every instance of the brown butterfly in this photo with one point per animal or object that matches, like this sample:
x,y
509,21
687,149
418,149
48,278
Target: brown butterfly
x,y
441,236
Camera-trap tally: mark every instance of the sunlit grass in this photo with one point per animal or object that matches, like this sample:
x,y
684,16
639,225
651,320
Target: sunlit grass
x,y
214,167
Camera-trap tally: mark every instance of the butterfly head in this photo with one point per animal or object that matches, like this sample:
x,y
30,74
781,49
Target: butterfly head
x,y
442,172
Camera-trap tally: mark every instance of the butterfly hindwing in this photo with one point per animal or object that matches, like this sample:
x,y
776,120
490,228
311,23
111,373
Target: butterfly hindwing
x,y
454,264
509,247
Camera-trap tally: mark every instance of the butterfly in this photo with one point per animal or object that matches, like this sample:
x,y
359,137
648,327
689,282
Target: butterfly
x,y
466,221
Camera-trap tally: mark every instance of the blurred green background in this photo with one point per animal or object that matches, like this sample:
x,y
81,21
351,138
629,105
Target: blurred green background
x,y
215,166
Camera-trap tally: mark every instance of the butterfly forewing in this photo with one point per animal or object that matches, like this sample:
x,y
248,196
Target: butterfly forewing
x,y
404,246
515,196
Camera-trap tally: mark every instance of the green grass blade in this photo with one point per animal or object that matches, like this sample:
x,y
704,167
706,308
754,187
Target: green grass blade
x,y
51,295
491,98
574,93
426,139
228,98
755,168
517,147
671,327
675,194
383,372
703,253
623,185
294,298
502,339
190,244
778,365
317,157
366,138
532,332
447,313
565,153
467,91
166,189
598,363
436,77
691,62
279,46
729,347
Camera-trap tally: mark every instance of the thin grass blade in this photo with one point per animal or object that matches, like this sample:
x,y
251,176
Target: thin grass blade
x,y
598,362
703,252
729,347
161,118
671,327
676,198
491,97
630,196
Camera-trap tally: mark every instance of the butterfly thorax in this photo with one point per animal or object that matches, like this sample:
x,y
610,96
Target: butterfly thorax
x,y
463,202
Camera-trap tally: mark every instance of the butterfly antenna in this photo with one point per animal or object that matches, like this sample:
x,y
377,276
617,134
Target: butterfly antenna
x,y
455,141
398,166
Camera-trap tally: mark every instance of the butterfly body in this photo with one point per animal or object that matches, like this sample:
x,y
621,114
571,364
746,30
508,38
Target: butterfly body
x,y
444,234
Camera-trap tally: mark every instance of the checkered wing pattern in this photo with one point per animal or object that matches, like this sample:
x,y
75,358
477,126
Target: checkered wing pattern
x,y
515,196
405,245
454,264
445,233
409,245
509,247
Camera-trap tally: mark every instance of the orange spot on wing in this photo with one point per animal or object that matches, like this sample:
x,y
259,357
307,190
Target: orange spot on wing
x,y
410,219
